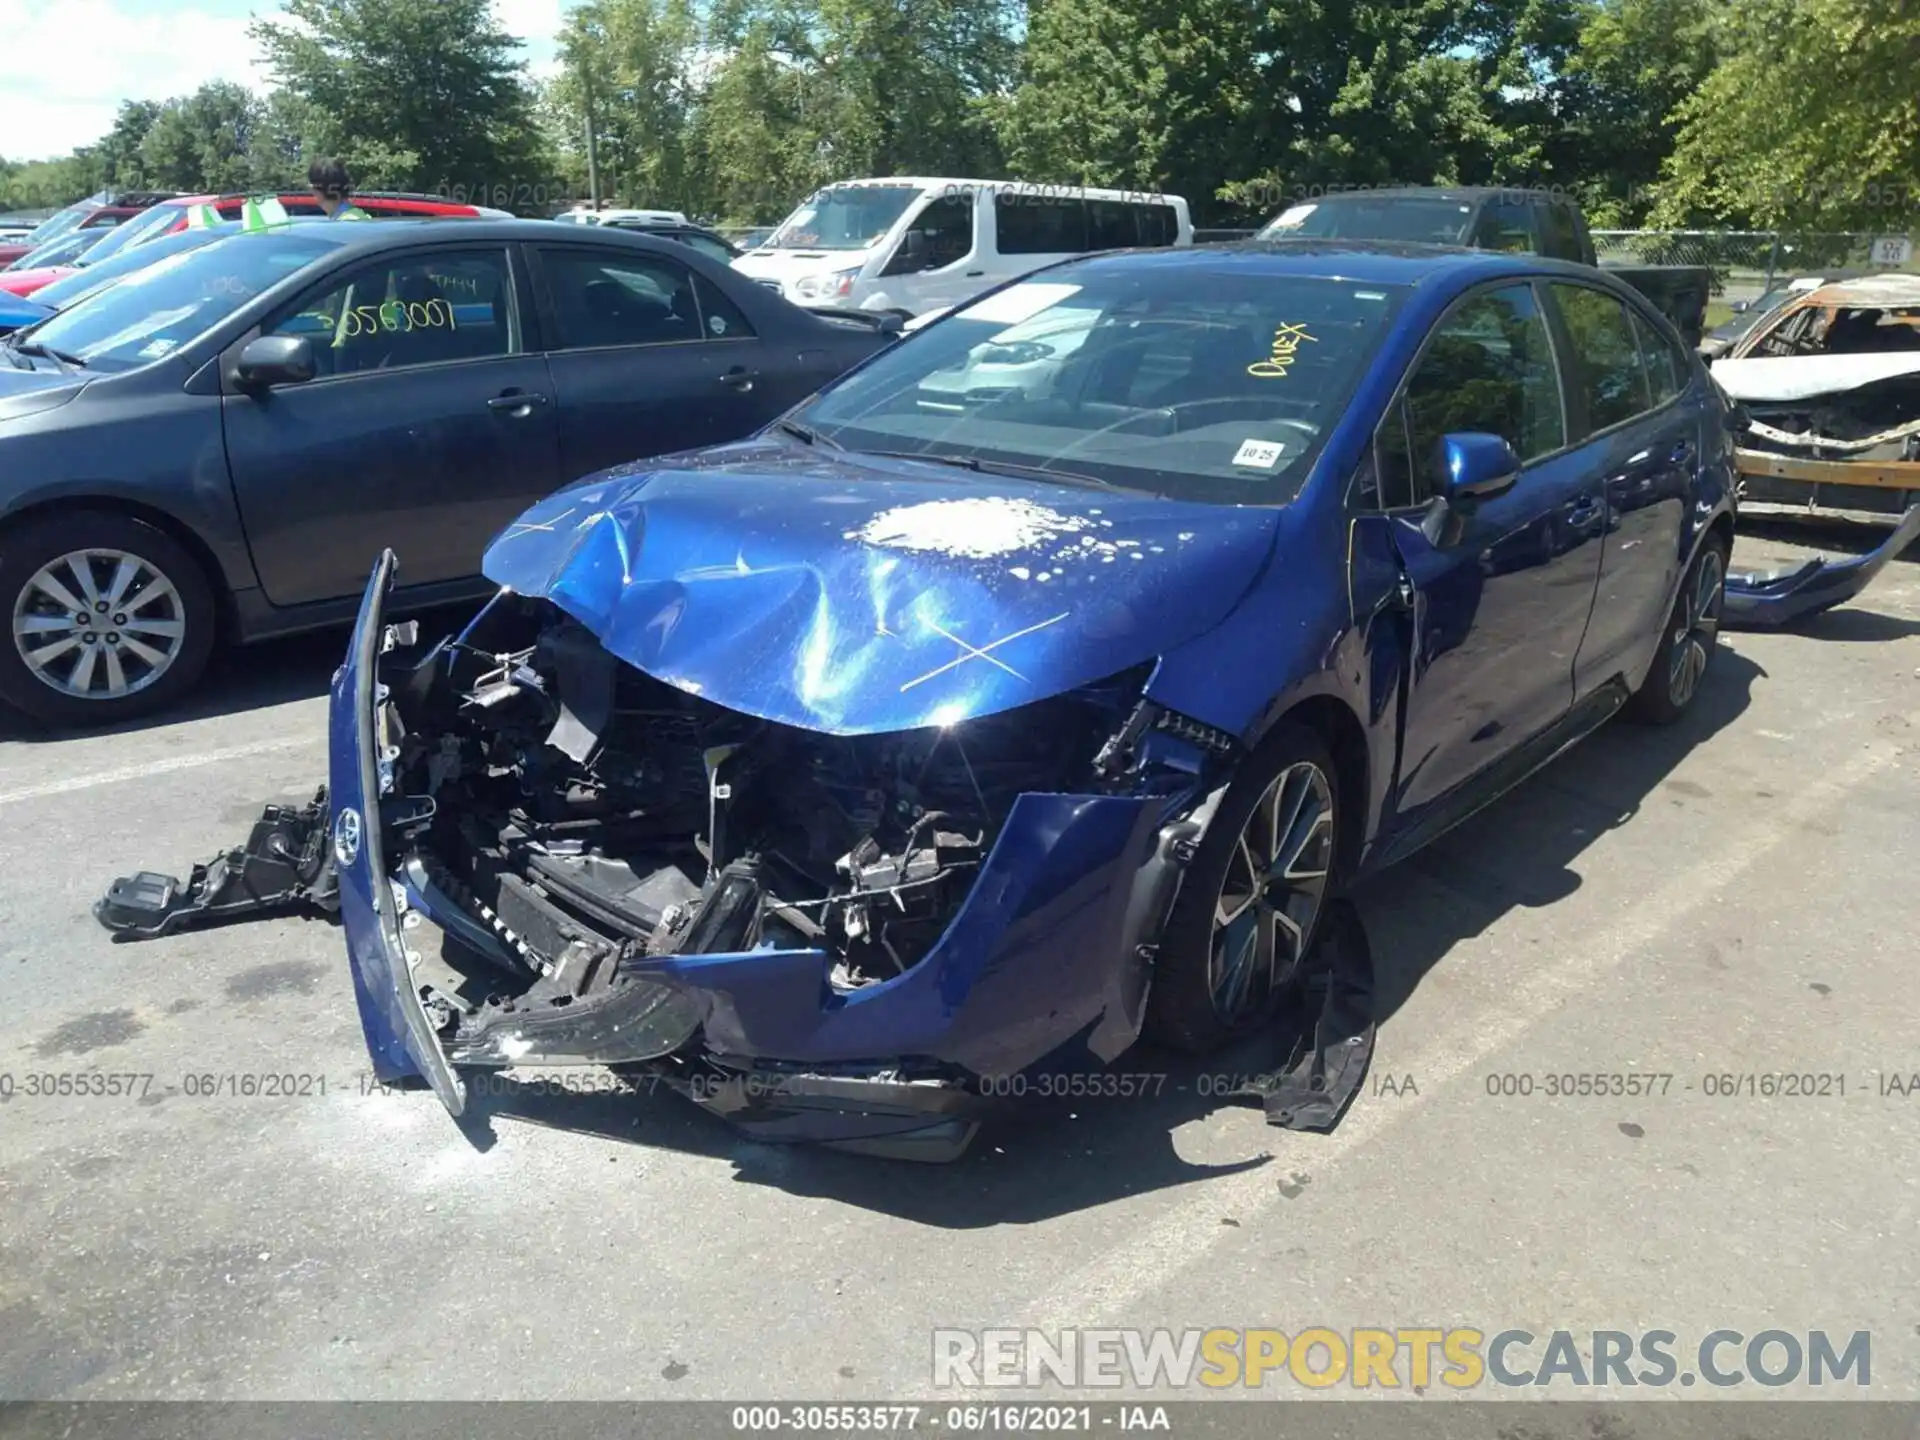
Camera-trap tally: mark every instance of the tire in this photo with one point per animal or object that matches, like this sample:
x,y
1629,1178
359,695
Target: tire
x,y
166,613
1207,994
1687,642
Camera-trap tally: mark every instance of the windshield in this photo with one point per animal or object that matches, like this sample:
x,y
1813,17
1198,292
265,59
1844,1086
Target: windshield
x,y
61,221
1427,219
1216,386
152,221
63,251
1754,314
843,217
97,276
159,308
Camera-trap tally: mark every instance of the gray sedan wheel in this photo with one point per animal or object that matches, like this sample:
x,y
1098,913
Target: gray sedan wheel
x,y
110,618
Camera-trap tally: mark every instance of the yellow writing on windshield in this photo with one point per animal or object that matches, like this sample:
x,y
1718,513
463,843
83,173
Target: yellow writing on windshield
x,y
1286,340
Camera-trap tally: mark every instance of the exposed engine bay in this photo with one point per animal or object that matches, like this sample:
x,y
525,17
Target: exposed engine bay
x,y
1874,422
581,812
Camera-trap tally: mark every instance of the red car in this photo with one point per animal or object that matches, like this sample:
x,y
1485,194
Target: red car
x,y
96,212
169,215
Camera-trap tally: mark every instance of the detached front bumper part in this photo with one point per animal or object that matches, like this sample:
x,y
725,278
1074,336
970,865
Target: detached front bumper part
x,y
1769,599
285,866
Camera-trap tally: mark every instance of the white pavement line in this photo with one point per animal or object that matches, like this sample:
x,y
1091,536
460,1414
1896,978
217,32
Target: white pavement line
x,y
1099,1292
153,767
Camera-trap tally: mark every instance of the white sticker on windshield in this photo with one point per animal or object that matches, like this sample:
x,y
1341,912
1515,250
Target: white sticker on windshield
x,y
1259,454
1017,303
1295,216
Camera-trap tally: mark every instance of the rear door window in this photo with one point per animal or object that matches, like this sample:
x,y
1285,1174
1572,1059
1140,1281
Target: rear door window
x,y
1608,374
1505,225
1667,369
600,299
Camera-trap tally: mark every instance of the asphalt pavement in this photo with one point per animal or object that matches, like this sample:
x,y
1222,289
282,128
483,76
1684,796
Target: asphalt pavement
x,y
1731,898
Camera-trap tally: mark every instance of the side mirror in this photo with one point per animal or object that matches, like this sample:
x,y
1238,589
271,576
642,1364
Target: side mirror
x,y
1474,466
913,246
1740,307
270,360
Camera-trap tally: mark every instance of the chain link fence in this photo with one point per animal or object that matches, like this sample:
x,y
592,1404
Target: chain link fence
x,y
1746,263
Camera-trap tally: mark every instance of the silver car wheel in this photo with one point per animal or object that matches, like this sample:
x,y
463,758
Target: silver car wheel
x,y
99,624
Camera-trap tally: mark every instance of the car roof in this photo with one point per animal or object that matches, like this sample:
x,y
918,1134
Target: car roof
x,y
1434,192
378,234
1868,292
1377,262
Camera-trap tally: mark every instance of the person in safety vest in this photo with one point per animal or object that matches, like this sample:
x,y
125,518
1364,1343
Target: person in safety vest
x,y
331,186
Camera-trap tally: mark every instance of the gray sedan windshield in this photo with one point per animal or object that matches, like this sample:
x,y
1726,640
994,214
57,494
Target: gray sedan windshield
x,y
156,310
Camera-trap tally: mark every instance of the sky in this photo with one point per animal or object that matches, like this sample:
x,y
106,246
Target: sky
x,y
74,61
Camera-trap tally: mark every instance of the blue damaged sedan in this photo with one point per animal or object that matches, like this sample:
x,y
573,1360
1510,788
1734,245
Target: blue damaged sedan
x,y
1035,686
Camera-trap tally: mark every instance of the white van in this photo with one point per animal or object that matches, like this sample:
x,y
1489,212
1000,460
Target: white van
x,y
910,244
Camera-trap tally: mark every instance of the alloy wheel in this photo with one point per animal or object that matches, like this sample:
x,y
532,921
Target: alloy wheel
x,y
99,624
1696,628
1271,895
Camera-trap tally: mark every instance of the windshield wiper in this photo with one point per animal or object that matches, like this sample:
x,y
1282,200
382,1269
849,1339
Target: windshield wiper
x,y
998,467
34,347
809,436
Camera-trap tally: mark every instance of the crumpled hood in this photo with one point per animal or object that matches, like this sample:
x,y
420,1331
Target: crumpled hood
x,y
856,595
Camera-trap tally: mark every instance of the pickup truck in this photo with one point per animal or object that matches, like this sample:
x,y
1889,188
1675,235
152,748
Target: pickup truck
x,y
1492,218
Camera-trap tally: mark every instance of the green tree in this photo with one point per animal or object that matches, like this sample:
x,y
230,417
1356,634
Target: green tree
x,y
120,148
414,93
204,141
1811,120
637,57
1634,64
1258,105
755,140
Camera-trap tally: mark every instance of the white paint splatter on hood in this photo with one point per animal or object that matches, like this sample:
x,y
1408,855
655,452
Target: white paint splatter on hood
x,y
975,528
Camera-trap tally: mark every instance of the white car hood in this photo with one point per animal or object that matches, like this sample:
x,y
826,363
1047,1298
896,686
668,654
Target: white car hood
x,y
1800,377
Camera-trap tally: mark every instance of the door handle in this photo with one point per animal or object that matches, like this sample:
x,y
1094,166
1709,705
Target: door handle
x,y
974,274
740,378
518,403
1584,511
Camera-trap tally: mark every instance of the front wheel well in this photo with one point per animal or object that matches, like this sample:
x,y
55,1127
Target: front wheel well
x,y
1346,740
1722,525
169,525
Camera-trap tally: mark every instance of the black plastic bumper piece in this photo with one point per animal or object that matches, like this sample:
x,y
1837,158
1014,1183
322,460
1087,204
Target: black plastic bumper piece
x,y
1333,1029
285,866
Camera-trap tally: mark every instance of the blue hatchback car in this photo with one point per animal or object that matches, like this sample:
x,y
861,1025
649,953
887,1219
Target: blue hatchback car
x,y
1032,687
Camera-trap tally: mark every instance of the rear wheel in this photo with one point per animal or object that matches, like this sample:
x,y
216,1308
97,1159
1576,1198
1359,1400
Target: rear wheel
x,y
1688,643
109,617
1251,902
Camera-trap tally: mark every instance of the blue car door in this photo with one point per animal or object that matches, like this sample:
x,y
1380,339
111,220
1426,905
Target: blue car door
x,y
1629,400
647,358
1495,595
426,428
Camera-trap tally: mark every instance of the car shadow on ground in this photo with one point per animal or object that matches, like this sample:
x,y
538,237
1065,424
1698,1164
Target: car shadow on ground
x,y
1045,1158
